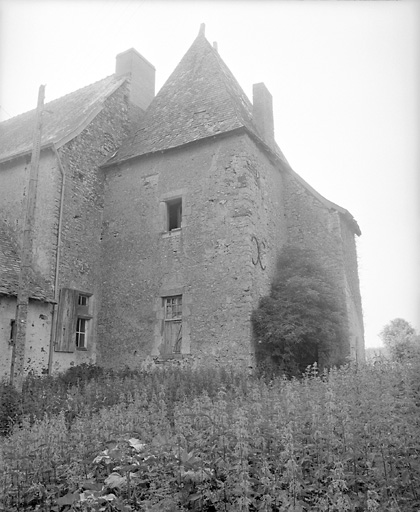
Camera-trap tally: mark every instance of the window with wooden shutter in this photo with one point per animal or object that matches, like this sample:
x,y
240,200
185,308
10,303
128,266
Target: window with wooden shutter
x,y
73,317
66,320
172,338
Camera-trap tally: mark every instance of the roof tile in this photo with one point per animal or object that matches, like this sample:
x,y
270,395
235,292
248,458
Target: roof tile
x,y
39,289
60,119
200,99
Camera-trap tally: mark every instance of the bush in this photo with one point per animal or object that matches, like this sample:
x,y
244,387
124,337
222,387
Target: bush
x,y
302,321
88,388
401,340
217,440
10,408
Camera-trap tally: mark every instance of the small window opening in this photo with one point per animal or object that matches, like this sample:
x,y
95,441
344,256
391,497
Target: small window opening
x,y
174,214
83,300
173,307
12,330
82,324
81,333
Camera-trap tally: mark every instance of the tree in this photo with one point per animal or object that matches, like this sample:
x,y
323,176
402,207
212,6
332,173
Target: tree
x,y
303,320
400,339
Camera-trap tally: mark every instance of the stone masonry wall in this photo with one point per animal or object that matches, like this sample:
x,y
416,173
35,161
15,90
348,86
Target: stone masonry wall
x,y
13,189
82,213
38,330
231,198
354,300
312,225
82,217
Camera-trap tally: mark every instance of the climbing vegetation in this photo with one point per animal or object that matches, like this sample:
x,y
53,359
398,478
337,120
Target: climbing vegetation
x,y
302,321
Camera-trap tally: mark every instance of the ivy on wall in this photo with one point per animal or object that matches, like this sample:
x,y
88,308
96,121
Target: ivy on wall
x,y
303,320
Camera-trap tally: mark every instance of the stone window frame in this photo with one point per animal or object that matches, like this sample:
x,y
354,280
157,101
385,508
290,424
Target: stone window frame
x,y
167,200
159,308
174,214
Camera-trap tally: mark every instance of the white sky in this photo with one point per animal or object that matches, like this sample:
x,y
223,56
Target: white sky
x,y
345,80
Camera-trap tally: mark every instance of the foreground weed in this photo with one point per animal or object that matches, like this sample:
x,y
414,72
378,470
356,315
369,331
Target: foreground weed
x,y
346,440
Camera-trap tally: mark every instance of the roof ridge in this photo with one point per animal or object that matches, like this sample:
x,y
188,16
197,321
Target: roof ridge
x,y
3,123
230,76
63,116
200,98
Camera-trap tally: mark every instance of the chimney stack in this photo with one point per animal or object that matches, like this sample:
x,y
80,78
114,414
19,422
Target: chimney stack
x,y
262,113
142,76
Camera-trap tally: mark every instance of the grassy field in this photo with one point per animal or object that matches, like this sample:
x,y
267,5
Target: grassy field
x,y
347,440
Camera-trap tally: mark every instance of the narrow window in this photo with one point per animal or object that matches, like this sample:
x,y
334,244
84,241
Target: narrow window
x,y
81,333
174,213
12,330
82,323
173,325
83,300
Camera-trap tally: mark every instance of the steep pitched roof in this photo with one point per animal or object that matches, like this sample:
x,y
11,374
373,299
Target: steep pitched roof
x,y
62,119
200,99
10,267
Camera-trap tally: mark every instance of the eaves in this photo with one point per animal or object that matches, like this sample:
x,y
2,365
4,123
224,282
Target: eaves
x,y
59,142
276,158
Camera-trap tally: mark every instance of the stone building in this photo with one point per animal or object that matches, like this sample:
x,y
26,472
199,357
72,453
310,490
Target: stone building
x,y
159,219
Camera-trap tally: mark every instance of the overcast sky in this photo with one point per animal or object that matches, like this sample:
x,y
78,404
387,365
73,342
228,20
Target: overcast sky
x,y
345,80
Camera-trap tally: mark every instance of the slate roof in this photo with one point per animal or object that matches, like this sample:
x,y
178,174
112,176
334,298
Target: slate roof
x,y
62,119
9,269
201,98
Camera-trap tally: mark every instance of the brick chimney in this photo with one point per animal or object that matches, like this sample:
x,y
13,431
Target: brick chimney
x,y
262,113
142,75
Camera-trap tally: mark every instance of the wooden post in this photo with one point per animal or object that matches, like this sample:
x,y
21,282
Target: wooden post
x,y
19,342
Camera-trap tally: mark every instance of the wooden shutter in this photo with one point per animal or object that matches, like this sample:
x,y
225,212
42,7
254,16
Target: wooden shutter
x,y
172,337
66,320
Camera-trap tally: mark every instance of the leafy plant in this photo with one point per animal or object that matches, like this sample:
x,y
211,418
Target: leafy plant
x,y
10,408
400,339
302,321
177,440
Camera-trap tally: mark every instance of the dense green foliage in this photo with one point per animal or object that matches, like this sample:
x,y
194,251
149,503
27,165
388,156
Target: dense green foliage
x,y
10,407
400,339
302,321
209,440
89,387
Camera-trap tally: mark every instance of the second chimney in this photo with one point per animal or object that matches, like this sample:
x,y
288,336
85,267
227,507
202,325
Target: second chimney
x,y
262,113
142,76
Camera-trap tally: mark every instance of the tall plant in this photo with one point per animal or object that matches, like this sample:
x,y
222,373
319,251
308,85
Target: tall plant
x,y
400,339
303,319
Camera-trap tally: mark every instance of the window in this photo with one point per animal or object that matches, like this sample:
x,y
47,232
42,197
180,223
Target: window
x,y
12,331
81,333
83,300
73,319
173,308
172,325
174,214
82,323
